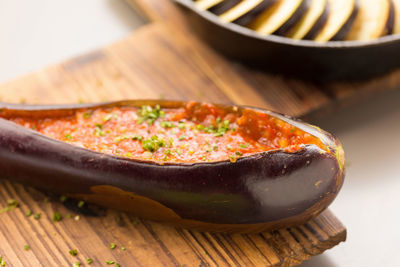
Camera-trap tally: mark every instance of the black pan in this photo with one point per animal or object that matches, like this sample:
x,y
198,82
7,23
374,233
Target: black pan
x,y
334,60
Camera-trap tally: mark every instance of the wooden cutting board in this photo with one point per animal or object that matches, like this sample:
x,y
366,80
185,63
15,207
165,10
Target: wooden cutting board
x,y
162,60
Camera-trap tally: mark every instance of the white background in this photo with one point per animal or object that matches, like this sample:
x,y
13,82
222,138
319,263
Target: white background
x,y
37,33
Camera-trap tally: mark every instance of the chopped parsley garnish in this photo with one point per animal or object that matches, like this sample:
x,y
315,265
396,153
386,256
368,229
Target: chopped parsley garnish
x,y
137,137
73,252
218,130
69,137
181,126
109,117
98,131
200,127
57,217
244,145
152,144
27,247
2,262
121,138
167,124
149,114
171,142
76,264
89,260
182,137
87,114
11,204
117,265
36,216
28,213
113,245
63,198
123,248
110,262
222,128
81,204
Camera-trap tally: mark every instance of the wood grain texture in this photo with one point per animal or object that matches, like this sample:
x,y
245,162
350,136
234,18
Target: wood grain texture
x,y
160,61
147,243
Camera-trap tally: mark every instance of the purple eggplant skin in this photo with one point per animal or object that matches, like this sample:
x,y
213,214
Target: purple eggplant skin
x,y
264,191
319,24
342,33
296,17
391,19
252,14
223,6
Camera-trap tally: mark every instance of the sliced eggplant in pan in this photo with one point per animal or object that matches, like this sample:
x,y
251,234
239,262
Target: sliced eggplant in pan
x,y
391,20
342,14
396,6
281,15
326,61
207,4
255,12
312,21
373,20
239,10
224,6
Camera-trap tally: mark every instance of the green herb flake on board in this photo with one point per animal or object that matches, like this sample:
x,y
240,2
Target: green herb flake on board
x,y
73,252
11,204
81,204
57,217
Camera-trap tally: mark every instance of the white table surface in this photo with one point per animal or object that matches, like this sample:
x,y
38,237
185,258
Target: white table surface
x,y
34,34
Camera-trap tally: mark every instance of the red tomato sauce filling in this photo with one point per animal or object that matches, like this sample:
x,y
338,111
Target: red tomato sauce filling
x,y
194,133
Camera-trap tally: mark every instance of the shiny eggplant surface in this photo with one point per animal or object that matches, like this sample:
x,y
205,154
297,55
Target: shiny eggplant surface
x,y
321,60
263,191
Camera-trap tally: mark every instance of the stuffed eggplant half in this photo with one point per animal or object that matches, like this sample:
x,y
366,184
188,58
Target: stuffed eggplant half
x,y
196,165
